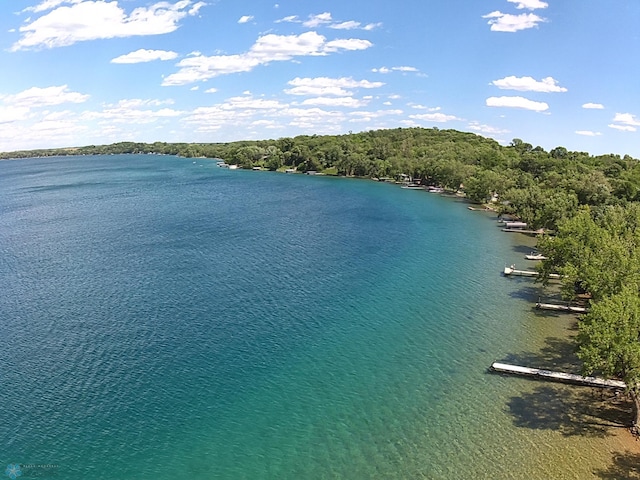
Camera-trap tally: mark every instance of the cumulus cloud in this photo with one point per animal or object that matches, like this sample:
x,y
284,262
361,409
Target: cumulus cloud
x,y
245,18
268,48
627,119
417,106
326,20
317,20
97,19
349,25
517,102
435,117
505,22
289,19
322,86
623,128
348,102
13,114
529,84
134,111
588,133
353,25
42,97
347,44
486,129
142,56
48,5
529,4
386,70
247,110
625,122
596,106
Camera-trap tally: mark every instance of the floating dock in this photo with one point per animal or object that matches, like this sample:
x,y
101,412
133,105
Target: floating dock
x,y
525,273
557,376
561,308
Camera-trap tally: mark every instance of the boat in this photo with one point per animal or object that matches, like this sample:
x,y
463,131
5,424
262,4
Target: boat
x,y
413,186
513,225
535,256
433,189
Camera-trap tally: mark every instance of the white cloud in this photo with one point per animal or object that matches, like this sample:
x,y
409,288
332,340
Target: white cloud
x,y
404,69
529,84
317,20
265,124
268,48
133,111
529,4
624,128
486,129
13,114
40,97
435,117
211,90
326,20
372,26
596,106
245,18
322,86
517,102
245,111
138,102
505,22
588,133
627,119
93,19
417,106
348,102
386,70
367,117
350,25
289,19
347,44
142,56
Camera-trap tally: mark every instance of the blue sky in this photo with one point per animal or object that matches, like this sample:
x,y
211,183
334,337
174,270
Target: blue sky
x,y
553,72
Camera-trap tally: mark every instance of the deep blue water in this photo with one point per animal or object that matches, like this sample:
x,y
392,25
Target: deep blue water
x,y
165,318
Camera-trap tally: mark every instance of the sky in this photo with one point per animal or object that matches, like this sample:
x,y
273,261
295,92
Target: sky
x,y
92,72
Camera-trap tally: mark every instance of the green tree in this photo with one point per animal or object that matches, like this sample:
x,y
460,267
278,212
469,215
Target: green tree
x,y
608,338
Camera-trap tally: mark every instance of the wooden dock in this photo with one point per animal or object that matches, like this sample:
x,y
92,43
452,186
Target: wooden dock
x,y
561,308
525,273
557,376
522,230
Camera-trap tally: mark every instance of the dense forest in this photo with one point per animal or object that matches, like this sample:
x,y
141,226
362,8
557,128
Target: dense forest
x,y
540,187
587,206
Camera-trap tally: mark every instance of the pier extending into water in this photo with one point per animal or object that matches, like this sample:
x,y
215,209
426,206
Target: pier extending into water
x,y
525,273
561,308
522,230
557,376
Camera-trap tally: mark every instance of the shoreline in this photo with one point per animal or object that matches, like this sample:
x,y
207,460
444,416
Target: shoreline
x,y
593,411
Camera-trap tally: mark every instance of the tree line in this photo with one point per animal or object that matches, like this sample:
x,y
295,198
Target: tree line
x,y
540,187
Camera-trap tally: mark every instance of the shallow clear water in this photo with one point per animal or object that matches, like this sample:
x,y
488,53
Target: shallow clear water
x,y
164,318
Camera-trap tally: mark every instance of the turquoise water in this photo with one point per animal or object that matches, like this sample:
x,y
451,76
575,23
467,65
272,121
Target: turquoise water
x,y
164,318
